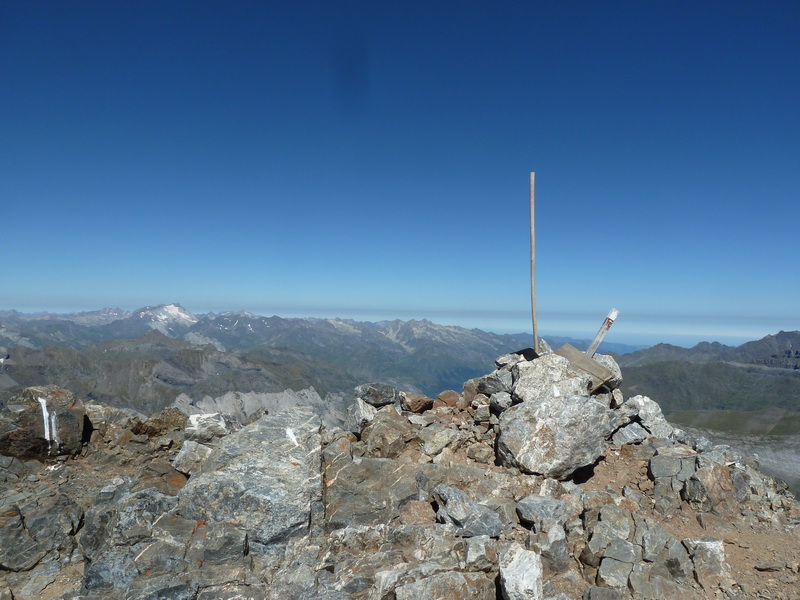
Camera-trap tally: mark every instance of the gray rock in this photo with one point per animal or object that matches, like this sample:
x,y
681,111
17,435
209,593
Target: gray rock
x,y
609,363
245,407
375,560
387,433
497,381
614,573
646,584
450,585
206,427
19,551
233,591
161,587
159,557
508,360
709,487
500,487
719,455
670,468
546,377
38,578
482,413
253,522
263,479
651,537
632,433
693,439
437,437
481,553
35,525
367,491
649,415
191,456
623,552
664,466
556,435
602,593
520,574
499,401
11,469
359,414
378,394
673,562
708,557
467,516
481,452
225,544
553,548
741,484
601,536
618,520
118,527
543,512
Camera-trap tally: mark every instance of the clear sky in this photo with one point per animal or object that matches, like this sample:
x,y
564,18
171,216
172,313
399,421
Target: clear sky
x,y
371,160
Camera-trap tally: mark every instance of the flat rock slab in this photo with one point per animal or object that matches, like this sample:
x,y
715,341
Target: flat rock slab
x,y
449,585
367,491
264,479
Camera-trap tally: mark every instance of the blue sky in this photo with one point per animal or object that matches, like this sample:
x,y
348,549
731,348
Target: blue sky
x,y
371,160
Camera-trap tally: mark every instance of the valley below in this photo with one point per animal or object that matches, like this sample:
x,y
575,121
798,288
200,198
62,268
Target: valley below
x,y
777,455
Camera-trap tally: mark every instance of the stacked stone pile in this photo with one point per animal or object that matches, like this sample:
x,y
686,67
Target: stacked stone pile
x,y
523,486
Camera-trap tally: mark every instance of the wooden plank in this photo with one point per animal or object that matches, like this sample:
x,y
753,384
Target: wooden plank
x,y
600,374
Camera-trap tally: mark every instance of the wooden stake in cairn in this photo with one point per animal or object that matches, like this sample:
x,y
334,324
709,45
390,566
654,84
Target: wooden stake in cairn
x,y
533,269
612,315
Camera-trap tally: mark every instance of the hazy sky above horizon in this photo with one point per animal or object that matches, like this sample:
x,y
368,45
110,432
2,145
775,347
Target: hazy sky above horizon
x,y
371,160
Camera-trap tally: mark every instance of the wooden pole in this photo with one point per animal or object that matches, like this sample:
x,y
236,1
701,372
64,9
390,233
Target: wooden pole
x,y
533,268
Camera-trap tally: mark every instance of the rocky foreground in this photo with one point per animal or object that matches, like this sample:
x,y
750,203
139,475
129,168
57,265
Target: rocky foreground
x,y
522,486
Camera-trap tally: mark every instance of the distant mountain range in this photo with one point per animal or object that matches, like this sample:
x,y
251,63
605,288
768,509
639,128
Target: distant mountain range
x,y
240,330
144,358
711,384
781,350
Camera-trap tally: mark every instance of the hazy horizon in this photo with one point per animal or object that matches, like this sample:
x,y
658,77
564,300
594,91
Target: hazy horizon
x,y
626,329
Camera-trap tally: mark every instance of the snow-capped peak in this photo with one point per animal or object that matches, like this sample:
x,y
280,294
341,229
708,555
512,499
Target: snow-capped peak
x,y
175,312
163,316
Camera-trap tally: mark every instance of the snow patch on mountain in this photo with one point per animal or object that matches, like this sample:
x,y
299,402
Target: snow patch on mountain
x,y
344,326
175,312
165,316
409,333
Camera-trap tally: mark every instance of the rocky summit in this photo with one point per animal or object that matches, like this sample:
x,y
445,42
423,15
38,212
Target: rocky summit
x,y
522,486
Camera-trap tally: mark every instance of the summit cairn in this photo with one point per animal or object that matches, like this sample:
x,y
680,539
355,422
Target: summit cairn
x,y
531,483
557,427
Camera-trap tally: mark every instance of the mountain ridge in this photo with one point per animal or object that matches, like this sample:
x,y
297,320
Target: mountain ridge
x,y
111,323
781,349
334,354
720,386
415,355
